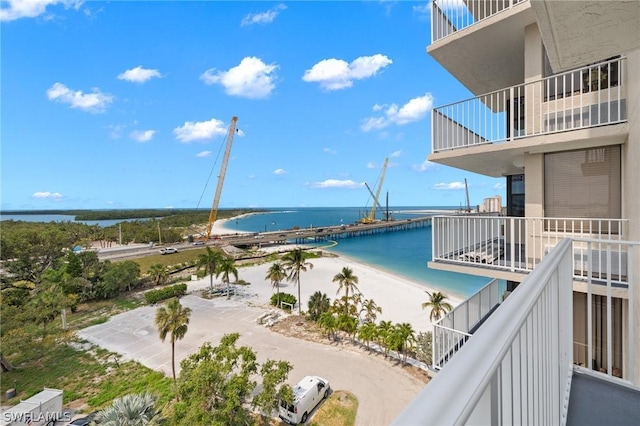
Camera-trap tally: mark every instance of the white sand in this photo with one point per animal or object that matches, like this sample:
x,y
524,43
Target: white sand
x,y
400,299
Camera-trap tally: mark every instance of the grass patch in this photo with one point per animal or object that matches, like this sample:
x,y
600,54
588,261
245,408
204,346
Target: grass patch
x,y
93,375
100,320
339,409
185,256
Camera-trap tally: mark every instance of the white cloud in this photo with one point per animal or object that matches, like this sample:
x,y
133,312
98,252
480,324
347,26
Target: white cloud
x,y
199,130
16,9
336,74
279,172
450,185
264,17
499,185
371,165
330,151
46,195
142,135
251,79
423,11
377,107
414,110
425,165
139,74
203,154
96,101
335,183
396,154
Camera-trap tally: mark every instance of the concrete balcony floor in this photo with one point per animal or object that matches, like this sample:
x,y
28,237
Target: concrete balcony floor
x,y
598,402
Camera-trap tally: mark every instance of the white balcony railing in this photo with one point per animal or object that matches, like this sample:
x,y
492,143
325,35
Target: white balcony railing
x,y
455,328
587,97
449,16
516,369
518,244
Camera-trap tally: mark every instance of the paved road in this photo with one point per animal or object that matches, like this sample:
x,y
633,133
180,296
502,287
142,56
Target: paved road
x,y
382,389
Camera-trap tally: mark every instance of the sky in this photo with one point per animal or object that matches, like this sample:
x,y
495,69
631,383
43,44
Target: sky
x,y
127,104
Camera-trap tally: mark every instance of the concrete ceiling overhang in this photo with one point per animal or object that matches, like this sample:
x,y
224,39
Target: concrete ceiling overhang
x,y
578,33
488,55
503,159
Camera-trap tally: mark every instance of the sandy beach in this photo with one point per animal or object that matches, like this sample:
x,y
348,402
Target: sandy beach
x,y
400,299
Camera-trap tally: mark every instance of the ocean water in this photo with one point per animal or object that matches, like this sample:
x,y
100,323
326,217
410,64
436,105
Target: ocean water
x,y
403,253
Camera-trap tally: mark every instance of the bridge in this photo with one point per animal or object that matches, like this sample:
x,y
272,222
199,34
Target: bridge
x,y
324,233
250,239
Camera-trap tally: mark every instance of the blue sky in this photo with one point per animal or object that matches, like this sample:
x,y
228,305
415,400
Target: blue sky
x,y
127,105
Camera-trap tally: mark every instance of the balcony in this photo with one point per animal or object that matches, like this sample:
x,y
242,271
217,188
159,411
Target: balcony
x,y
481,42
510,247
522,118
519,366
451,16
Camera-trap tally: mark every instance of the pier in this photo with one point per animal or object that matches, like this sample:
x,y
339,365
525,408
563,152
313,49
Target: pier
x,y
324,233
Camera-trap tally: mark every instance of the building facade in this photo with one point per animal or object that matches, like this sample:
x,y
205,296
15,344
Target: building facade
x,y
555,111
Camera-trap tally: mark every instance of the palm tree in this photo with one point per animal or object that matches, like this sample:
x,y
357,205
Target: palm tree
x,y
276,274
172,319
226,268
209,261
346,280
158,273
384,334
131,410
319,303
371,310
438,304
406,337
368,332
295,262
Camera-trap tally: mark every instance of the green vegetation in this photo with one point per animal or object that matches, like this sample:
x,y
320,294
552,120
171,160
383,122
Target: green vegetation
x,y
339,409
173,319
158,295
95,375
295,262
438,304
277,299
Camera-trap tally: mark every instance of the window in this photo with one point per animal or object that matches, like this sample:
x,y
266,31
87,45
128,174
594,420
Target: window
x,y
515,195
583,183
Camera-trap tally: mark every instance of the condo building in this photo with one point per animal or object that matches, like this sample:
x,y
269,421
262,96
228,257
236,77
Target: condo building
x,y
555,112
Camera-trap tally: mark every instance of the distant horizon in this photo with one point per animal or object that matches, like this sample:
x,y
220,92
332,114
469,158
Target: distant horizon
x,y
54,211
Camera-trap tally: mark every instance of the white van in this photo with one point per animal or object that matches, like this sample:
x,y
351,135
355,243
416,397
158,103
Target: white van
x,y
307,394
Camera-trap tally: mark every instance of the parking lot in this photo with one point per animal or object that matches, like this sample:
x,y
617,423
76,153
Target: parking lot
x,y
382,388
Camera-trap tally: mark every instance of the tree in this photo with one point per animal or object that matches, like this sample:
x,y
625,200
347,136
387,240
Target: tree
x,y
158,273
227,268
368,332
118,277
319,303
296,262
405,336
173,320
424,347
347,280
45,306
216,383
276,274
438,304
328,323
371,310
384,335
274,390
209,261
131,410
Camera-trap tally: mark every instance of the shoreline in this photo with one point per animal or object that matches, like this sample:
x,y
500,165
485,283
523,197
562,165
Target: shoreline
x,y
399,297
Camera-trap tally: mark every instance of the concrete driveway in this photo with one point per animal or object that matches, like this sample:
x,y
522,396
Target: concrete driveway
x,y
382,389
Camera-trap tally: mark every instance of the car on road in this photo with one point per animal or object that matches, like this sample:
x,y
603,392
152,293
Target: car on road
x,y
307,394
258,236
198,243
168,250
282,235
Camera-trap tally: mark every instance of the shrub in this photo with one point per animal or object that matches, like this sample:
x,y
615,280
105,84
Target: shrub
x,y
284,297
155,296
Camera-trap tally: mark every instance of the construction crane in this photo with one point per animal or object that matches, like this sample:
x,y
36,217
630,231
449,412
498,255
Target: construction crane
x,y
376,200
372,214
223,170
466,188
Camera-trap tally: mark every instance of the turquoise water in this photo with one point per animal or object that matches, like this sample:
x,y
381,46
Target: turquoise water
x,y
403,253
